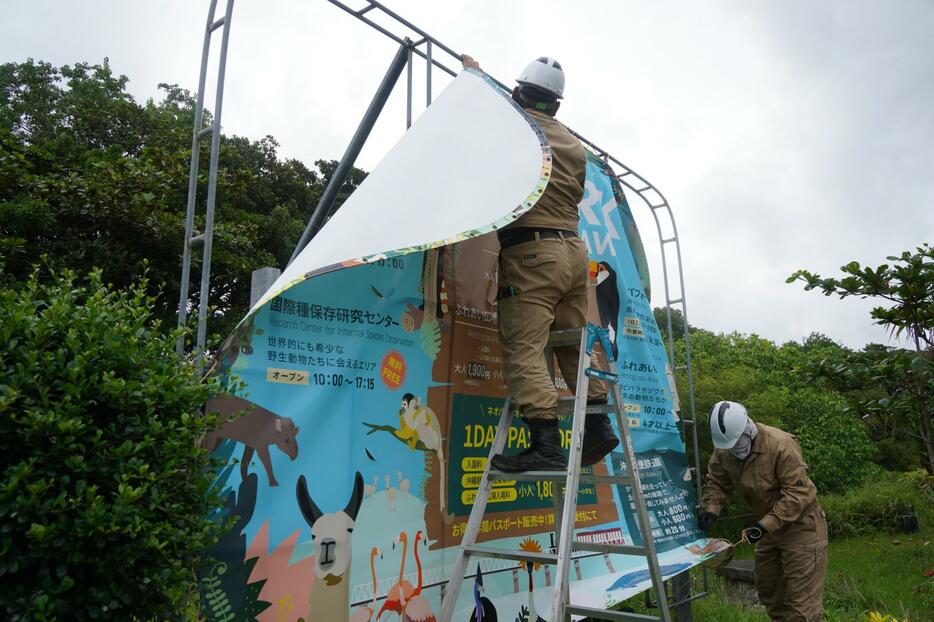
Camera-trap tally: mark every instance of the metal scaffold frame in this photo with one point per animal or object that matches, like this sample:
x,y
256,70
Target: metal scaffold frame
x,y
422,45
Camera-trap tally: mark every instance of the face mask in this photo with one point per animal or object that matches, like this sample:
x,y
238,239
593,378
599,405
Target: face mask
x,y
742,448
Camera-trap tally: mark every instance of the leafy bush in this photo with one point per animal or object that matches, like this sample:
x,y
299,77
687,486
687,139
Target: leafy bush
x,y
876,505
105,496
834,441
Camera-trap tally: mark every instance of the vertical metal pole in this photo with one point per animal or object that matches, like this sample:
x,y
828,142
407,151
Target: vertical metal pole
x,y
212,190
408,90
681,592
428,76
193,181
353,149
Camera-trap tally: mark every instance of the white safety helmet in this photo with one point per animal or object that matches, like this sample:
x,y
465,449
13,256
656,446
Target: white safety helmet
x,y
727,423
544,73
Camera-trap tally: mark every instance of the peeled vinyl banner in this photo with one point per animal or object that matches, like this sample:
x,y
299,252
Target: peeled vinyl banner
x,y
371,379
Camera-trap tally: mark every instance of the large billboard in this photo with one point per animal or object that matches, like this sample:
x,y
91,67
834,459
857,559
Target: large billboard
x,y
372,380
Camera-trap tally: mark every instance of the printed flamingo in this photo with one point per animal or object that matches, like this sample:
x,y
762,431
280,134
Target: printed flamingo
x,y
416,609
365,614
399,593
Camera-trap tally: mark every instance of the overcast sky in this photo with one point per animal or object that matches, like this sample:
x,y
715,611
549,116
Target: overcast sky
x,y
785,134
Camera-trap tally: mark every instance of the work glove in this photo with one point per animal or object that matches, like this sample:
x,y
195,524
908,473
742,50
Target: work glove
x,y
706,520
754,534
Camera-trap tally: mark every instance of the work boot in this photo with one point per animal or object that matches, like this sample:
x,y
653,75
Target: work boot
x,y
544,454
599,438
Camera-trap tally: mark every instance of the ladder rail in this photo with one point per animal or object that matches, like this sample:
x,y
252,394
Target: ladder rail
x,y
569,515
642,516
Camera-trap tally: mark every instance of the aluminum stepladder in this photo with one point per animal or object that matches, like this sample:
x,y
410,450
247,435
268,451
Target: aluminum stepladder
x,y
566,505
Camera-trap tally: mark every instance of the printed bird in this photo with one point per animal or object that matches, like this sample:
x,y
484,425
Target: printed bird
x,y
365,614
416,609
399,593
484,611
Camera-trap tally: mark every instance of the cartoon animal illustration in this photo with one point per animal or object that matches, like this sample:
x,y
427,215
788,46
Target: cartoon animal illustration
x,y
484,611
332,534
364,613
257,430
632,579
404,484
399,593
416,608
531,545
421,424
391,494
370,489
608,301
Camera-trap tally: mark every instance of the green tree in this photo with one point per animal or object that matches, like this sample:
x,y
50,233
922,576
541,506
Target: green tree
x,y
105,496
905,291
92,178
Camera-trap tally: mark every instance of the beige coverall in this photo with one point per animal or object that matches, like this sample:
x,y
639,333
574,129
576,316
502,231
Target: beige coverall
x,y
543,282
791,560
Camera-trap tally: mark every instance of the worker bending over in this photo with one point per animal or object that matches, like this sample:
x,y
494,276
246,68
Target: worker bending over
x,y
765,465
543,279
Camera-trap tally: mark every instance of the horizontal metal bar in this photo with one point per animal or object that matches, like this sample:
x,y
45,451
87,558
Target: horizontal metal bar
x,y
218,23
402,41
643,189
197,239
205,131
659,206
566,406
412,26
681,367
689,421
676,301
609,614
685,601
567,337
365,10
667,240
615,549
519,556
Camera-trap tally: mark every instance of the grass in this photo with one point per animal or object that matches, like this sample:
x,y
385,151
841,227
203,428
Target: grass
x,y
882,573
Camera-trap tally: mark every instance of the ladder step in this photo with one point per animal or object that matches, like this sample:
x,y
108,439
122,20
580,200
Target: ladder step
x,y
566,407
616,549
196,239
218,23
681,367
602,375
568,337
609,614
205,131
643,189
558,476
519,556
667,240
676,301
659,206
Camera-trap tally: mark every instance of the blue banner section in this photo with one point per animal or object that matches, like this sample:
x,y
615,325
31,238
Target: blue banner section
x,y
362,408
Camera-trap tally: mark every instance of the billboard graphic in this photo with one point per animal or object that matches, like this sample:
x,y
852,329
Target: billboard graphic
x,y
372,379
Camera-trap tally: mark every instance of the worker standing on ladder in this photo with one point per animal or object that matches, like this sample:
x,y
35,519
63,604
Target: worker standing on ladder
x,y
765,465
543,279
